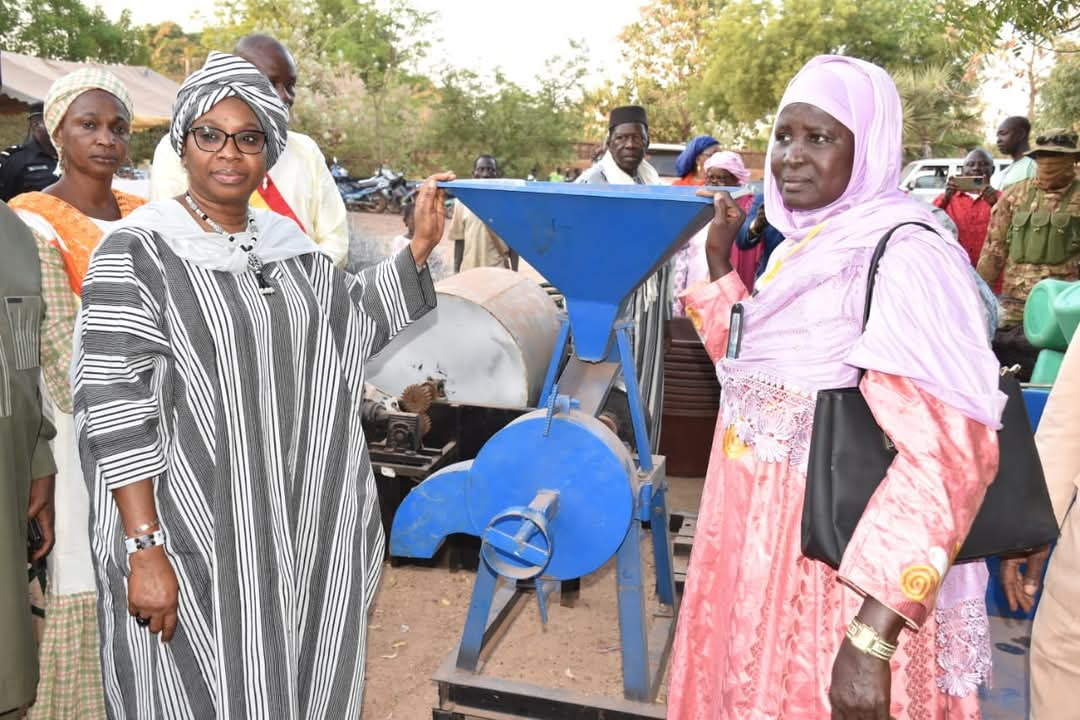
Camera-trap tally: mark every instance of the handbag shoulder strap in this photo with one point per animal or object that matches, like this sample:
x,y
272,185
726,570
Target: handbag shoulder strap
x,y
876,258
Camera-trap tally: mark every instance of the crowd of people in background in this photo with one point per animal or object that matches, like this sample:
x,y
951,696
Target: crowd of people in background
x,y
195,464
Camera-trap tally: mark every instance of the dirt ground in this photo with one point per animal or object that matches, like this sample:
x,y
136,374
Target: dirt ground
x,y
419,612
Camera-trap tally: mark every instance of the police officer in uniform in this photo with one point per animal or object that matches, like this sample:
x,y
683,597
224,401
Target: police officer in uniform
x,y
32,165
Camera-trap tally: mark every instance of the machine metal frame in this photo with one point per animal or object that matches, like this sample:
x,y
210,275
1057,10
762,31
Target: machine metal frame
x,y
645,646
534,511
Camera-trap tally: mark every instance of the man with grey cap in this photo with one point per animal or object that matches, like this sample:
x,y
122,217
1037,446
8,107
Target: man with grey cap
x,y
623,163
299,186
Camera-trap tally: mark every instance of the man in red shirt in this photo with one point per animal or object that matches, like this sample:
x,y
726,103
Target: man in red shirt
x,y
971,210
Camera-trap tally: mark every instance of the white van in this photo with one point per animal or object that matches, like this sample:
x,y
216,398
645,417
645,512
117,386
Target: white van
x,y
662,156
925,179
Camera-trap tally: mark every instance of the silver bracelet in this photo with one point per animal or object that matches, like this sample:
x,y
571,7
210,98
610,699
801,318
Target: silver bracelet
x,y
141,542
145,528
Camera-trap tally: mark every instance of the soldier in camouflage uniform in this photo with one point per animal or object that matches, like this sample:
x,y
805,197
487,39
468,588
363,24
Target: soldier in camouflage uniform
x,y
1034,234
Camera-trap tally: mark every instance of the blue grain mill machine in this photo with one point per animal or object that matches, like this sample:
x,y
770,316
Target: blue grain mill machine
x,y
555,494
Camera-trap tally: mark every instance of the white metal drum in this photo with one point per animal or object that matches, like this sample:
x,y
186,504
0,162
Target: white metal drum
x,y
489,340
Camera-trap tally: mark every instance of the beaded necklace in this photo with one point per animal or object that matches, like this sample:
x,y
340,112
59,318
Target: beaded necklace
x,y
254,262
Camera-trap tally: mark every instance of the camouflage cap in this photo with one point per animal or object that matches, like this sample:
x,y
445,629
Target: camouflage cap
x,y
1059,140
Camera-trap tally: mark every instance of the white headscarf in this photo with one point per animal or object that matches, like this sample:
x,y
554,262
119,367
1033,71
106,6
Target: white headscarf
x,y
278,237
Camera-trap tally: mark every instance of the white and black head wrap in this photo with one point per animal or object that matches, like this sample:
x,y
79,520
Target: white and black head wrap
x,y
224,76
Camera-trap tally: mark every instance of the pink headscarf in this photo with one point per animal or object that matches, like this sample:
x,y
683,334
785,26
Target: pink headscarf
x,y
730,161
863,98
928,323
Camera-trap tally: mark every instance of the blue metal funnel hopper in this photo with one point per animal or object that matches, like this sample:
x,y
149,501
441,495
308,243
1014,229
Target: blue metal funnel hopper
x,y
595,243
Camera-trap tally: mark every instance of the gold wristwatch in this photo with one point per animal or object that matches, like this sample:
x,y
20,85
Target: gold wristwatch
x,y
866,639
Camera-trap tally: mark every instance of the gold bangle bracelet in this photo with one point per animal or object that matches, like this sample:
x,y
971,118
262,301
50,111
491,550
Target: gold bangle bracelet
x,y
865,639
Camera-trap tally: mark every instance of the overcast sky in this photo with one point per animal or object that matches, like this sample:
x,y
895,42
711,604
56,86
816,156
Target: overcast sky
x,y
476,34
519,36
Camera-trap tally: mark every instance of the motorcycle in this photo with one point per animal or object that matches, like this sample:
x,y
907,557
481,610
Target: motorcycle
x,y
366,194
400,192
385,191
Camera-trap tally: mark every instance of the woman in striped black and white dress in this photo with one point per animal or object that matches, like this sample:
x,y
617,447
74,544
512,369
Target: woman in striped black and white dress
x,y
218,375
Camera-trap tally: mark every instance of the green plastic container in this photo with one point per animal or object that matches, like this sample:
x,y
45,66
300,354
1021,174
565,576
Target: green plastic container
x,y
1040,320
1046,367
1066,308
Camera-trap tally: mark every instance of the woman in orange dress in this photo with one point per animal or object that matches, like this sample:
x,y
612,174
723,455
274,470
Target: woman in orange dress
x,y
88,115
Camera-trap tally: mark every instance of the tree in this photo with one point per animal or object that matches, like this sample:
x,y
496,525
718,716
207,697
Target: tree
x,y
1025,65
68,30
173,52
979,23
341,118
940,115
523,129
378,45
663,53
757,46
1060,98
375,41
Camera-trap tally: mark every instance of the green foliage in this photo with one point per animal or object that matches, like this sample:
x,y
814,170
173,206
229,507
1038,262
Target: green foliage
x,y
523,129
340,116
756,46
979,23
373,41
1060,96
173,52
68,30
12,130
142,144
663,53
940,111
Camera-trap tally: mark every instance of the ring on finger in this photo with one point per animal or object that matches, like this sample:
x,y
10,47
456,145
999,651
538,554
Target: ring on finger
x,y
142,621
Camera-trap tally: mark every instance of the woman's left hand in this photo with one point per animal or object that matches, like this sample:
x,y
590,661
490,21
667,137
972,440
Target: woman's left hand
x,y
861,686
430,217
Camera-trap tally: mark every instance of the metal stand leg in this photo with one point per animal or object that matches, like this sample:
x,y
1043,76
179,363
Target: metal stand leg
x,y
472,640
661,540
633,396
632,629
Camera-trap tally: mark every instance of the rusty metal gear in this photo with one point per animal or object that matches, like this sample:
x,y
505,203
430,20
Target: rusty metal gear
x,y
423,424
417,398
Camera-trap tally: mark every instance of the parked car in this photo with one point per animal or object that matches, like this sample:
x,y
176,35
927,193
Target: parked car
x,y
662,156
925,179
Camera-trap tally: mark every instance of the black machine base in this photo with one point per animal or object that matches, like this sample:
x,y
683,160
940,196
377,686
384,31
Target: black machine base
x,y
465,695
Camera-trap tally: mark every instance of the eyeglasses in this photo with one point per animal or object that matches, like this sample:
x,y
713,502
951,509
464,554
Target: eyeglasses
x,y
210,139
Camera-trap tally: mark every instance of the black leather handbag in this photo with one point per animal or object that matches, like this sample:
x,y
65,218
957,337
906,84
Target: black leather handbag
x,y
849,456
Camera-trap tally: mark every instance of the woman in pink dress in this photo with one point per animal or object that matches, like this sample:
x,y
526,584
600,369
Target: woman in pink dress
x,y
762,629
